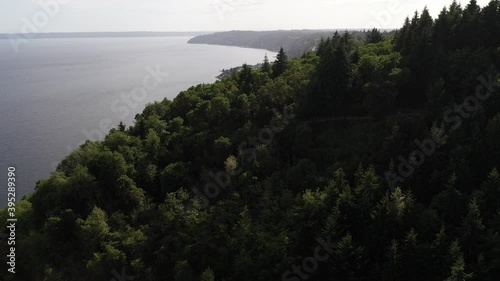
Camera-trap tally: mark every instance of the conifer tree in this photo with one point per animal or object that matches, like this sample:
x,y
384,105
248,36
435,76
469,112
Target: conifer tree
x,y
280,64
207,275
266,66
425,23
458,272
472,228
402,35
442,31
373,36
392,268
321,47
349,260
121,126
246,79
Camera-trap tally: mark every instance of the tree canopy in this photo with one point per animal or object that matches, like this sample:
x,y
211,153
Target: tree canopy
x,y
367,159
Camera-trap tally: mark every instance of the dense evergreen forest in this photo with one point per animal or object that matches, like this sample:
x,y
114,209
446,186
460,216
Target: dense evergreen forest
x,y
369,159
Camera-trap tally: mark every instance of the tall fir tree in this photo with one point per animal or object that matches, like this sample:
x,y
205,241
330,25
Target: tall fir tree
x,y
266,66
374,36
280,64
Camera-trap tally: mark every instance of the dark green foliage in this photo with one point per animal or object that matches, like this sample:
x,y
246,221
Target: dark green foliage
x,y
246,79
373,36
280,64
334,75
266,66
240,179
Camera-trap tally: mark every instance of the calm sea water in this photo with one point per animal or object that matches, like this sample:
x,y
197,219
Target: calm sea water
x,y
55,92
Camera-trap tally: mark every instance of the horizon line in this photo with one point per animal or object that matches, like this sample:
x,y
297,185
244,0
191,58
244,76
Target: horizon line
x,y
195,31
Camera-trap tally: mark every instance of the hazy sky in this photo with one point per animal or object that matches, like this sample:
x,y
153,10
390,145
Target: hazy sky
x,y
18,16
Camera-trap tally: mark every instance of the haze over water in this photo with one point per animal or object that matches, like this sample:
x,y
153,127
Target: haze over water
x,y
55,89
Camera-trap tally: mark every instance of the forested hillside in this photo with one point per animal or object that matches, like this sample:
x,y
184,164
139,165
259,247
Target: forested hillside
x,y
370,159
294,42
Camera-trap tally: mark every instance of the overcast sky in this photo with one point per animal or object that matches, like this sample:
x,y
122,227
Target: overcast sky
x,y
17,16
